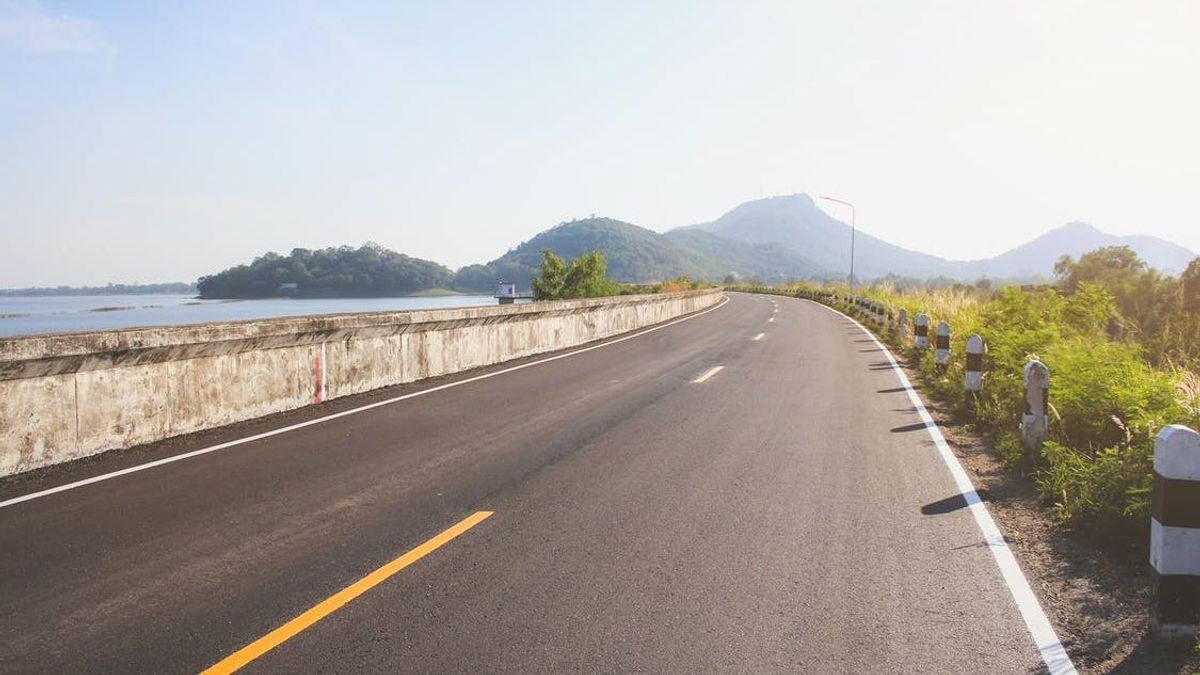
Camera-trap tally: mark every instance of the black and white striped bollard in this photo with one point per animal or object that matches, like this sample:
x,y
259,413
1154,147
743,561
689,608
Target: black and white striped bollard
x,y
1175,531
1034,424
921,331
973,376
941,345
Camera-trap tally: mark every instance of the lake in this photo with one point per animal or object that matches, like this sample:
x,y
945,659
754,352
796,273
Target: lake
x,y
21,315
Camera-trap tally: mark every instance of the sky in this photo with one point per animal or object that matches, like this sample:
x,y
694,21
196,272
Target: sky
x,y
159,141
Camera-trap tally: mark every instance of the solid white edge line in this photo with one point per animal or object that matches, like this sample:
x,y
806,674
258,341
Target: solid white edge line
x,y
370,406
1055,656
708,373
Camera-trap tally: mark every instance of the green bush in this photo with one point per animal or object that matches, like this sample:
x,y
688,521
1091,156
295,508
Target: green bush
x,y
1104,395
1100,491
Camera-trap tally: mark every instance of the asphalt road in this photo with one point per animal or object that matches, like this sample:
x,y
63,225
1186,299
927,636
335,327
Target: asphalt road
x,y
787,514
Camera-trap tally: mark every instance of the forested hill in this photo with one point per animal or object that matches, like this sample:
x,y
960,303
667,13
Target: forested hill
x,y
367,271
636,254
633,254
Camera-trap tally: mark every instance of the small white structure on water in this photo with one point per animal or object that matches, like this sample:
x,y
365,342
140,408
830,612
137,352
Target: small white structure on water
x,y
507,292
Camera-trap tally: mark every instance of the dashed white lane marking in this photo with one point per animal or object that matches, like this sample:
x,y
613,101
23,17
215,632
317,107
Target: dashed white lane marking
x,y
378,404
708,373
759,337
1058,662
771,320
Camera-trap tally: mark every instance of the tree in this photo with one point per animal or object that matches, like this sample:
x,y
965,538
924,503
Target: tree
x,y
549,285
1189,286
583,277
1142,295
586,278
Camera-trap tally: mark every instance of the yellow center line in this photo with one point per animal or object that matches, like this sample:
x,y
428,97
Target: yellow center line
x,y
334,602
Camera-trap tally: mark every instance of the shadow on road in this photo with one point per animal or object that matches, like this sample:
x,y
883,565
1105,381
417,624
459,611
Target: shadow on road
x,y
918,426
893,390
950,504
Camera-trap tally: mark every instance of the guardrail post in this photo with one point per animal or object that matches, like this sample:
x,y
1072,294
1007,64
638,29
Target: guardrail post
x,y
973,377
921,329
941,352
891,319
1034,424
902,326
1175,530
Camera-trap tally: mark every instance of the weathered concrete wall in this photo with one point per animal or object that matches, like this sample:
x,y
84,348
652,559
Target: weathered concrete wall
x,y
68,396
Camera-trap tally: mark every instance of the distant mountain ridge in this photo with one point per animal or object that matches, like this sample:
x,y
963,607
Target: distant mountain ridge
x,y
795,222
1037,257
774,239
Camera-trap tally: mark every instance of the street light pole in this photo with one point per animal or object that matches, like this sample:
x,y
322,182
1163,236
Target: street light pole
x,y
853,230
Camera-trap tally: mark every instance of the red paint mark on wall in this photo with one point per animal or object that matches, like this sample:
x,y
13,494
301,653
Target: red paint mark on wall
x,y
317,379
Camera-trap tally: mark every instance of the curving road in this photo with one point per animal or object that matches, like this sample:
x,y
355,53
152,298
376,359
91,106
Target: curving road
x,y
788,512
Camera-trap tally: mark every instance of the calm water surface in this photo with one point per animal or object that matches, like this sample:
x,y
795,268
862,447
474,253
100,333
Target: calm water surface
x,y
62,314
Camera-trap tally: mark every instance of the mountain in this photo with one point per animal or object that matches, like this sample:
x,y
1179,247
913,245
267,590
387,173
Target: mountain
x,y
636,254
768,262
1037,257
795,222
774,239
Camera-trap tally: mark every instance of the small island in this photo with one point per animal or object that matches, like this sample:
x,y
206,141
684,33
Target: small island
x,y
369,271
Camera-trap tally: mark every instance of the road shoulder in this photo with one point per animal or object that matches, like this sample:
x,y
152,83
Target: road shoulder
x,y
1098,598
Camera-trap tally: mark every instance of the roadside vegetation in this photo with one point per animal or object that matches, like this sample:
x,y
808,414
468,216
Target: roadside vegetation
x,y
585,277
1122,342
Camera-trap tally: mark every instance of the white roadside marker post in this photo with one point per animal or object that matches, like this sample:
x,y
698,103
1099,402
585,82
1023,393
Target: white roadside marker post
x,y
973,376
1034,424
902,327
1175,531
921,329
941,351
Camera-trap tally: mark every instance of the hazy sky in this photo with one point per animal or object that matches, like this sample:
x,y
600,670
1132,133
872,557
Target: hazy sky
x,y
163,140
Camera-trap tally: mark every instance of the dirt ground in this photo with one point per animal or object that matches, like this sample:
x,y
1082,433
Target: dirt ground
x,y
1096,593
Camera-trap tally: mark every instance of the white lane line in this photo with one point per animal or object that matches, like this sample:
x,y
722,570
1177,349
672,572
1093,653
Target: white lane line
x,y
708,373
1058,662
344,413
771,320
759,337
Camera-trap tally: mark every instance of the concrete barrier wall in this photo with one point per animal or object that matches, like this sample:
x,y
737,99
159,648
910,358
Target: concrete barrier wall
x,y
68,396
